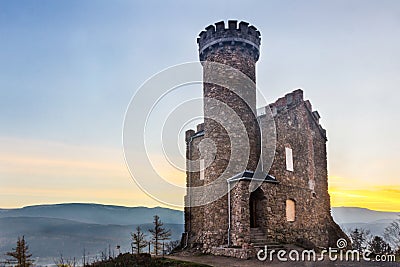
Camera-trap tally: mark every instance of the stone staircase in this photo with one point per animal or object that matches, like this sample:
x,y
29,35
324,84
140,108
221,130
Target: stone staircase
x,y
259,240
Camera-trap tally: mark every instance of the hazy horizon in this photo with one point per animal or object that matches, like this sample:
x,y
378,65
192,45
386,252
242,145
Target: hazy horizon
x,y
68,70
140,206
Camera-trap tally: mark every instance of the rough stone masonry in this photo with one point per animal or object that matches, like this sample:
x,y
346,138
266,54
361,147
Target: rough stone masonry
x,y
292,204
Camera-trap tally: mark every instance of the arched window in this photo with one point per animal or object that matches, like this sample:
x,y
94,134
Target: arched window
x,y
290,210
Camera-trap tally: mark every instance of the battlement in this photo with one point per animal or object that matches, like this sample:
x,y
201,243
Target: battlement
x,y
218,35
190,134
291,100
288,100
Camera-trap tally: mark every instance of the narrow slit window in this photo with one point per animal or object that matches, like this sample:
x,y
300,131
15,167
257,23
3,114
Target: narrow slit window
x,y
202,169
289,159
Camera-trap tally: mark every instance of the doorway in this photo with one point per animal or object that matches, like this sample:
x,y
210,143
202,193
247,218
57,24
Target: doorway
x,y
255,207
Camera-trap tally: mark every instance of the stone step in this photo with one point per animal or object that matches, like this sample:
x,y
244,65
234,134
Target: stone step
x,y
261,233
258,240
259,237
258,234
269,246
268,243
263,241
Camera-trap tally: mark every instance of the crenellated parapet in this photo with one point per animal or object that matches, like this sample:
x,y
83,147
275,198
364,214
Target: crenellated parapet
x,y
236,36
291,100
295,207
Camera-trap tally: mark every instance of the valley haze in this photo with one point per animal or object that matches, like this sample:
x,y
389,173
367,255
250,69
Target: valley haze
x,y
70,228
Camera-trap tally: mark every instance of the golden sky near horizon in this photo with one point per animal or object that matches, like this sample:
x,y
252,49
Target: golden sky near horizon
x,y
38,172
67,76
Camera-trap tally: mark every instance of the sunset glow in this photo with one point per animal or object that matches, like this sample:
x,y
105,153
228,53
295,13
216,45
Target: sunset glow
x,y
364,195
68,70
84,174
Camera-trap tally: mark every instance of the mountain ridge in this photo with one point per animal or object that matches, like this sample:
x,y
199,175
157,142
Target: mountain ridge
x,y
96,213
68,228
361,215
49,237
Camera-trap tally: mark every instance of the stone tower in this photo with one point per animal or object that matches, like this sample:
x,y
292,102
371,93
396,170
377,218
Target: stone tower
x,y
292,204
236,46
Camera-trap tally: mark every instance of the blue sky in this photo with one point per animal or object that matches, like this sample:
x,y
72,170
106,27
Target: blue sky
x,y
69,68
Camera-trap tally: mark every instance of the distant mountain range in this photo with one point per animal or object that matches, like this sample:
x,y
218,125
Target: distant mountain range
x,y
96,213
376,221
70,228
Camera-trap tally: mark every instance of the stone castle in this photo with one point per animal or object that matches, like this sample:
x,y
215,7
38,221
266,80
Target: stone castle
x,y
291,205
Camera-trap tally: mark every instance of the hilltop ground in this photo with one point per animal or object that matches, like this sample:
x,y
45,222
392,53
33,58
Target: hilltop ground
x,y
219,261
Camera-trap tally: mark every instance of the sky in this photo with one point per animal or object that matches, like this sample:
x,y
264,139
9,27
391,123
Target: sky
x,y
68,70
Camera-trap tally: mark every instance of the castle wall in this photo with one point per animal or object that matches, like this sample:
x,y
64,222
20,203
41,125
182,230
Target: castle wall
x,y
302,188
240,215
297,127
307,185
194,215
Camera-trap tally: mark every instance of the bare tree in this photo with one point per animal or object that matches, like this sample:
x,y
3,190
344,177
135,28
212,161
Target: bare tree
x,y
65,262
139,241
171,245
359,238
392,234
21,253
60,262
378,246
158,233
104,255
84,257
